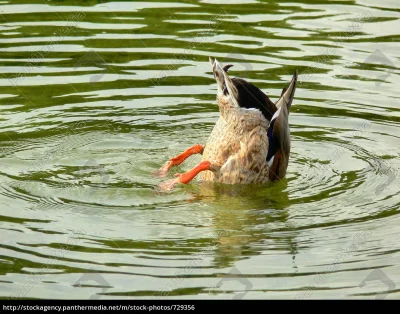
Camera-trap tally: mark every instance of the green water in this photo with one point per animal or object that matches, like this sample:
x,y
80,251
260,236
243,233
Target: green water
x,y
96,95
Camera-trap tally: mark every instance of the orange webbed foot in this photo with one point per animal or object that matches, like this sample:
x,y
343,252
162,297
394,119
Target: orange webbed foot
x,y
168,185
186,177
176,161
162,172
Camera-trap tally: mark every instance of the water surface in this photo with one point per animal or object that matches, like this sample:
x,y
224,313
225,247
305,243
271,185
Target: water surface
x,y
96,95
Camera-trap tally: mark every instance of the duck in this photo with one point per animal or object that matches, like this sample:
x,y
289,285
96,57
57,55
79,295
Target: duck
x,y
250,141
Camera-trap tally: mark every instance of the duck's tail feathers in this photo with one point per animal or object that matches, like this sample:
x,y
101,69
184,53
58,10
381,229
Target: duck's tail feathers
x,y
287,95
225,85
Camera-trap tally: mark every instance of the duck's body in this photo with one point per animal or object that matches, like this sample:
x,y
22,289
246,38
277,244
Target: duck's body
x,y
239,144
250,142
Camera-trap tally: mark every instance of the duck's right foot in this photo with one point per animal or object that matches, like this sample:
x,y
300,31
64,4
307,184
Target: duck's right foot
x,y
176,161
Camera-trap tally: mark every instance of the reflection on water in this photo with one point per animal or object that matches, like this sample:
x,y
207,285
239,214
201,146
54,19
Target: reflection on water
x,y
92,103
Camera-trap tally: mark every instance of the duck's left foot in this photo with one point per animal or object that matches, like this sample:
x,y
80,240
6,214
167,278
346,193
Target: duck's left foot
x,y
168,185
185,177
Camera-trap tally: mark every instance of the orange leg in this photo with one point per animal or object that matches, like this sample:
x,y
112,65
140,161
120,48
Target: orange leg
x,y
196,149
187,176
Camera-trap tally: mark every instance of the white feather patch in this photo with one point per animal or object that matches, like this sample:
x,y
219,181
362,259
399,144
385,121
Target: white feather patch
x,y
271,161
276,114
230,91
217,65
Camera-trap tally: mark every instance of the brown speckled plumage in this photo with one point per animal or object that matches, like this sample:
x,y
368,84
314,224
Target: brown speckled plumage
x,y
238,144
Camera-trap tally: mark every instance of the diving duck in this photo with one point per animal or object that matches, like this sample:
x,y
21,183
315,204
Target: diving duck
x,y
250,142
